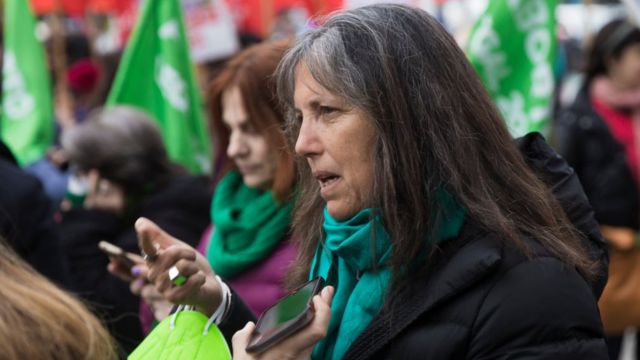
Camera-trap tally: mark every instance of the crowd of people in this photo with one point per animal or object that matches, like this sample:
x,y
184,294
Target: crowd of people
x,y
366,152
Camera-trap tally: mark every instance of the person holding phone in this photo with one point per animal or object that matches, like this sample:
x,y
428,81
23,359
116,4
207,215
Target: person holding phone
x,y
440,238
249,242
122,164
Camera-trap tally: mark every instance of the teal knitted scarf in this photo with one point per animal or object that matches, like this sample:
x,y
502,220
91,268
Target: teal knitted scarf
x,y
358,269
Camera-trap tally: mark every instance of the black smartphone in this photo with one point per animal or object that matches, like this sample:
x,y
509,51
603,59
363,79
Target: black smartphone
x,y
117,252
286,317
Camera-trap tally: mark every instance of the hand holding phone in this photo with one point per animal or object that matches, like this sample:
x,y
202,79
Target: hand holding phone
x,y
286,317
126,259
297,346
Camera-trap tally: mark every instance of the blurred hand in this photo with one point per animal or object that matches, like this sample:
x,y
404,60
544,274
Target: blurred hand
x,y
298,346
126,273
164,251
160,306
139,284
104,194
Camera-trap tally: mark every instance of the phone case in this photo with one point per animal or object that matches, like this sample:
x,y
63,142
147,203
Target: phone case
x,y
261,342
115,251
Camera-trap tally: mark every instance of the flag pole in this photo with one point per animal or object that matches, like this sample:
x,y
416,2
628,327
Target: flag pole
x,y
63,102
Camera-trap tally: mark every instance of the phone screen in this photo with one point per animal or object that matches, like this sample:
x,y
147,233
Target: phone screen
x,y
287,316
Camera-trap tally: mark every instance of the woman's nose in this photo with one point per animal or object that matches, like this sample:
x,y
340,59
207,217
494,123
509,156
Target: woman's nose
x,y
308,142
237,146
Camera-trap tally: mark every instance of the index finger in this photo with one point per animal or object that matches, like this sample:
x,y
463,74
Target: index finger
x,y
148,232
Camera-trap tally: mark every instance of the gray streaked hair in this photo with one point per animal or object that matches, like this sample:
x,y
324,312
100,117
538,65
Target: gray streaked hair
x,y
437,128
124,144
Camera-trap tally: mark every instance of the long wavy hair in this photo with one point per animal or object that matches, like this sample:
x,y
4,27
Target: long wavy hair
x,y
437,128
40,321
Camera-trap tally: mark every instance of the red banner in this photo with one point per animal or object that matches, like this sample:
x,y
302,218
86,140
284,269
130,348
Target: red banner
x,y
79,7
255,16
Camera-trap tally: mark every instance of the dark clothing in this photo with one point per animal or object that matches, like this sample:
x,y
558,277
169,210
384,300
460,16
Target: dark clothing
x,y
26,220
554,171
181,209
484,300
585,141
487,301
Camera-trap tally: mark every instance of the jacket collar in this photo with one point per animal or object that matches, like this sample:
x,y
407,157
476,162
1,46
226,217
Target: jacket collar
x,y
476,258
6,154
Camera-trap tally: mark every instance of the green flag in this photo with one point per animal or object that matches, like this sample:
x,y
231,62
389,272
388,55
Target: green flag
x,y
27,109
513,48
156,75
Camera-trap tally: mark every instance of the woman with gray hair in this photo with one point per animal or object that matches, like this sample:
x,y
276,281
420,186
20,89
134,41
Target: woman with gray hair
x,y
119,154
438,237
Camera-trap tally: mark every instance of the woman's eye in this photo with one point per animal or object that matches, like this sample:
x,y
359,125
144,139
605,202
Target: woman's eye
x,y
249,129
324,110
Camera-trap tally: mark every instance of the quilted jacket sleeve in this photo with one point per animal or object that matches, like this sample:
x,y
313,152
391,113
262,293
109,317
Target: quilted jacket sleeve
x,y
557,316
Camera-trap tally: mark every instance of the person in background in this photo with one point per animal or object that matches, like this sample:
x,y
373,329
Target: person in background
x,y
119,155
249,242
41,321
82,78
435,236
599,136
27,221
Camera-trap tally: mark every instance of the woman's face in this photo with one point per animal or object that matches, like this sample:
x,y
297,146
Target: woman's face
x,y
625,70
337,140
249,149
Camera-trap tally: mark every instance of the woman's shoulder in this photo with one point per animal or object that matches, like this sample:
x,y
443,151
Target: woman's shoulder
x,y
540,298
529,264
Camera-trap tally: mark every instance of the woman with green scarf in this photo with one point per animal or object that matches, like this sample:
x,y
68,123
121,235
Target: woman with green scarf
x,y
438,236
249,243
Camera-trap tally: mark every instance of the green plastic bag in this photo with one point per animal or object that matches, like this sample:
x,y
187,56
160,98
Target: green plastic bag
x,y
181,336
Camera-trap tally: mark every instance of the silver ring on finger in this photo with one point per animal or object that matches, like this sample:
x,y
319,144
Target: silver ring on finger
x,y
148,258
175,277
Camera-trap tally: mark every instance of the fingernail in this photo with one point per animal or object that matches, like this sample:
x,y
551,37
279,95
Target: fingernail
x,y
138,282
136,271
139,222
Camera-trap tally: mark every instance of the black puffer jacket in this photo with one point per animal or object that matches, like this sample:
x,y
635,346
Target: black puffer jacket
x,y
585,141
26,220
181,209
483,300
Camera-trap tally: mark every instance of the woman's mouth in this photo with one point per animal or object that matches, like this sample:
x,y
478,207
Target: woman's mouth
x,y
326,179
246,169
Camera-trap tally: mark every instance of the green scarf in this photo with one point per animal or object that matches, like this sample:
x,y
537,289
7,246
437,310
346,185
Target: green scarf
x,y
248,225
358,269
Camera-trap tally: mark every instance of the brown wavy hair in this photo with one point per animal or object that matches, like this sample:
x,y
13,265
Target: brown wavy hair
x,y
38,320
251,71
437,128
